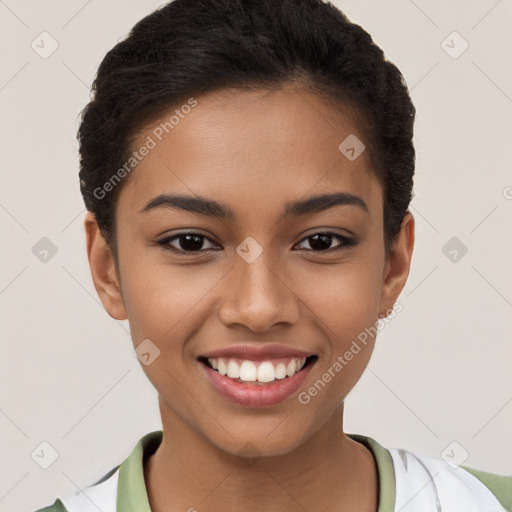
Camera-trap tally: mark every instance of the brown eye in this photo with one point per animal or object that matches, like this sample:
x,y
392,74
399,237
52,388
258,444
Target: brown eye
x,y
320,242
189,242
185,242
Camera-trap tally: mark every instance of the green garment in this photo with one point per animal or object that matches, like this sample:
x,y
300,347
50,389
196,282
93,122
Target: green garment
x,y
132,494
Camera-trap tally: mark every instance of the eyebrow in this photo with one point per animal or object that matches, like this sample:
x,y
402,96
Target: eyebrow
x,y
211,208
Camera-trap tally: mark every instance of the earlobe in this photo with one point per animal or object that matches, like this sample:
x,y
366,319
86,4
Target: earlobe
x,y
398,265
103,271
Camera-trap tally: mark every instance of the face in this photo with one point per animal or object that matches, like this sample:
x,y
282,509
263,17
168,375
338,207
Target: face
x,y
240,269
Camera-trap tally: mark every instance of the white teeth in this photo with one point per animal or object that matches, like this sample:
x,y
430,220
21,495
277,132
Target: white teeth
x,y
290,369
222,368
233,370
249,372
266,372
280,371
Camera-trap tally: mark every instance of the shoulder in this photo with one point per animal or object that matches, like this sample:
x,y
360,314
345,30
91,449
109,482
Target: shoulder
x,y
101,495
443,484
56,507
499,485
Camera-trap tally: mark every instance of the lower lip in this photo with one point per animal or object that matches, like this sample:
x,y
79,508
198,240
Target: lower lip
x,y
254,395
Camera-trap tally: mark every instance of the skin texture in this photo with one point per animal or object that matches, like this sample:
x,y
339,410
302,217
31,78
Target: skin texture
x,y
253,151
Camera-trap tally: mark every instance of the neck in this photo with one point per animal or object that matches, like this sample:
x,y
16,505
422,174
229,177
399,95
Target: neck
x,y
329,471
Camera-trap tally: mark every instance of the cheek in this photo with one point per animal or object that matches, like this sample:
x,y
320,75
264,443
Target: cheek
x,y
163,301
345,298
344,302
166,306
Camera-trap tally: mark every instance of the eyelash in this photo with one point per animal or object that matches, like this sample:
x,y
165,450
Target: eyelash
x,y
346,242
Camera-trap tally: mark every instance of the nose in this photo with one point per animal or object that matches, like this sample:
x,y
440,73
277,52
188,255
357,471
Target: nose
x,y
258,296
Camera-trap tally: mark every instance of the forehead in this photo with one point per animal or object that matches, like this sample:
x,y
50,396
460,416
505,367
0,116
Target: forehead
x,y
252,150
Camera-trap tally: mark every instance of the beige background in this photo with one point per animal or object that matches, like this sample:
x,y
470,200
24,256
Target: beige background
x,y
441,369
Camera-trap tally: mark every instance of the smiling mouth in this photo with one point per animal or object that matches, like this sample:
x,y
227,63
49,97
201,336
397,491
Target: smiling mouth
x,y
261,371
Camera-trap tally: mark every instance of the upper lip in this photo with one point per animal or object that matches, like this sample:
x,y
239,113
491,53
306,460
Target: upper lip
x,y
254,352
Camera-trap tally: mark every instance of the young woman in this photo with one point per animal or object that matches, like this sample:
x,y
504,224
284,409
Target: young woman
x,y
247,167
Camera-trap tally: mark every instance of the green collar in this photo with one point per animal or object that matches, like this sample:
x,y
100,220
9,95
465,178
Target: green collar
x,y
132,495
385,471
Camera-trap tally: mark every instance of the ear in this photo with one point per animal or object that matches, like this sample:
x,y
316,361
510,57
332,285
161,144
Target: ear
x,y
103,271
396,269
